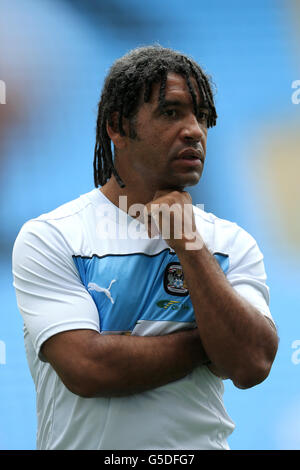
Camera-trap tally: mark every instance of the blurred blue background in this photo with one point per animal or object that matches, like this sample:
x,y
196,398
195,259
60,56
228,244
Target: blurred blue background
x,y
53,59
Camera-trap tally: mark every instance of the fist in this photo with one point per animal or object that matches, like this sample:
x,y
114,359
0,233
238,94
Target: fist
x,y
171,214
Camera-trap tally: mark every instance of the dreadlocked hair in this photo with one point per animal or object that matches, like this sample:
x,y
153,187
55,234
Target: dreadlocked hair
x,y
128,78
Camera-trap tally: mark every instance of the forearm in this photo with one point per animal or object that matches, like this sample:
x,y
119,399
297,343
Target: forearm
x,y
135,364
116,365
237,338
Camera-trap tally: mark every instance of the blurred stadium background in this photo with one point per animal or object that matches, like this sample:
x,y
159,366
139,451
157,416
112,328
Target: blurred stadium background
x,y
53,58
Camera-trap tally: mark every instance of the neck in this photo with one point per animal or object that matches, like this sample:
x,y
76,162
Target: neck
x,y
137,194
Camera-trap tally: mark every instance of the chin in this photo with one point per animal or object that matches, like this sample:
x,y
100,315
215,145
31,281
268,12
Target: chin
x,y
184,180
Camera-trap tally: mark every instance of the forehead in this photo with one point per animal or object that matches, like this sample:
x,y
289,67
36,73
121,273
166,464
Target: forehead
x,y
177,88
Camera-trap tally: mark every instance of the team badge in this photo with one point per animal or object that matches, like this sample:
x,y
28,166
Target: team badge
x,y
174,282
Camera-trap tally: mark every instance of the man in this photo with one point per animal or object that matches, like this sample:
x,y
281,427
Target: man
x,y
129,331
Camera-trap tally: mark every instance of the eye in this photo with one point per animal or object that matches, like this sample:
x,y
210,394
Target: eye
x,y
171,113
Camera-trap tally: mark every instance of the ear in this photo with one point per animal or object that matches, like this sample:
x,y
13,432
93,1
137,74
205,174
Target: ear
x,y
112,129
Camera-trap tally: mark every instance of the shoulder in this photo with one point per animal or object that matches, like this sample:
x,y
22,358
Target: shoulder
x,y
245,268
70,209
221,233
64,222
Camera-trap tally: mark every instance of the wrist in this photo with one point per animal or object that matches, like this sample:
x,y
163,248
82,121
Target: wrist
x,y
187,244
196,349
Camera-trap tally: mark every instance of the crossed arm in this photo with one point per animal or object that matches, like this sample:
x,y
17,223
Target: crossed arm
x,y
239,341
91,365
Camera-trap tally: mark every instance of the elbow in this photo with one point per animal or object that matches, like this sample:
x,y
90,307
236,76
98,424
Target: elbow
x,y
249,380
86,386
257,369
249,377
89,388
82,388
83,391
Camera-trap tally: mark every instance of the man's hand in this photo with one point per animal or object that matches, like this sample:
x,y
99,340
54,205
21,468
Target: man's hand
x,y
236,337
171,213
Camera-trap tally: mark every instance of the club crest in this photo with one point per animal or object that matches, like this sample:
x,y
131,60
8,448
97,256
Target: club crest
x,y
174,282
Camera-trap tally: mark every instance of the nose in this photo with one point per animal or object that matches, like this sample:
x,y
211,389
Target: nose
x,y
193,130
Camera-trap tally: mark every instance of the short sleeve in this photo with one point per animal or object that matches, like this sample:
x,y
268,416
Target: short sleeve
x,y
50,295
247,273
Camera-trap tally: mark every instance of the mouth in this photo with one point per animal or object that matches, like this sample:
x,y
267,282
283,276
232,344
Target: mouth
x,y
189,159
190,154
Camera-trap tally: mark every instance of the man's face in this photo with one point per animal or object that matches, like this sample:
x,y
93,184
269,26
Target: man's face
x,y
170,147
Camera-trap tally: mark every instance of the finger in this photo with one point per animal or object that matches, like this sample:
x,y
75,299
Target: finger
x,y
150,220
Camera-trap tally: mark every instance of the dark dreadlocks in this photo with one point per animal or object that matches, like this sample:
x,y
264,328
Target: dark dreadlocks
x,y
128,77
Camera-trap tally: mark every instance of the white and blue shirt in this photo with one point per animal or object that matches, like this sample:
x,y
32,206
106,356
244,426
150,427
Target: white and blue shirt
x,y
89,265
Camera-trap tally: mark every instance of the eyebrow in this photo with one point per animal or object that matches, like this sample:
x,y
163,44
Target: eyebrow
x,y
172,103
167,103
179,103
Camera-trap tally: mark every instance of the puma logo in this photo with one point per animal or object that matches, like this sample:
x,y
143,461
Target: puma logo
x,y
94,286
